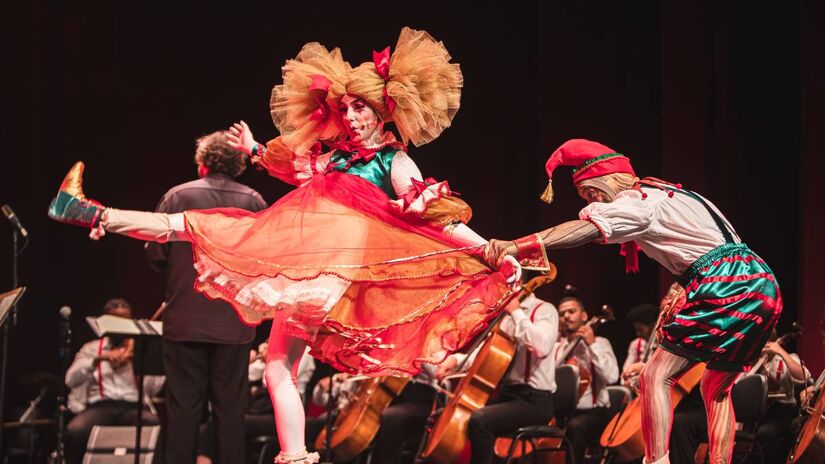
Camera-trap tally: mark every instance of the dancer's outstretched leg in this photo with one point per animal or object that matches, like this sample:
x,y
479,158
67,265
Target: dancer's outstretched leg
x,y
656,382
716,387
71,206
282,359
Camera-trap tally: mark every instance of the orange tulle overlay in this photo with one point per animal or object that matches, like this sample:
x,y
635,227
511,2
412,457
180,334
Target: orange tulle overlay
x,y
372,290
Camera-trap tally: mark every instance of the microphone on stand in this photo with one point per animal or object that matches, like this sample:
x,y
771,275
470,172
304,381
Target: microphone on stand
x,y
65,331
15,221
65,342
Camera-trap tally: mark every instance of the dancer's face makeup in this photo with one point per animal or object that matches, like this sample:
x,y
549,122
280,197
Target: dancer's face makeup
x,y
359,119
592,194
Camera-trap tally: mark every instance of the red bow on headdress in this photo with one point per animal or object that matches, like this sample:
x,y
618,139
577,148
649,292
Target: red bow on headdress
x,y
382,67
321,84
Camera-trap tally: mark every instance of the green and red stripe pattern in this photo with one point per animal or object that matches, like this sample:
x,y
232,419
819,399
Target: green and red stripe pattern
x,y
732,304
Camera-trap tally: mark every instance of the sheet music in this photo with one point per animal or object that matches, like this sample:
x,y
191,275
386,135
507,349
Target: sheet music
x,y
108,324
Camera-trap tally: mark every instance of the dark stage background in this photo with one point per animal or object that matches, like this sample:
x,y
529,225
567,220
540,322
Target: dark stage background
x,y
726,98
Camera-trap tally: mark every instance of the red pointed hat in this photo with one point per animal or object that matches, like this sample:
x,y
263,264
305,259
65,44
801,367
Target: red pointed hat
x,y
589,159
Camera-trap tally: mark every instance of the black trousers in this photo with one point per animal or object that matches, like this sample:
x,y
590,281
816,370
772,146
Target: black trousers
x,y
197,372
517,406
584,428
106,412
690,427
404,421
773,433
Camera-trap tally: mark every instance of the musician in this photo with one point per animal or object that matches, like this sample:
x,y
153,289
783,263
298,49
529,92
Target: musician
x,y
643,317
401,423
405,420
526,395
102,370
783,371
690,423
595,355
344,387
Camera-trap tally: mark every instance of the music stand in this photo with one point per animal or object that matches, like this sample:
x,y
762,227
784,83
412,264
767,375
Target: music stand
x,y
147,335
8,300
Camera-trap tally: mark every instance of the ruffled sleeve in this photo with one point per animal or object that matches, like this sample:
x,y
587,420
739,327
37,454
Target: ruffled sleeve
x,y
428,199
290,166
627,218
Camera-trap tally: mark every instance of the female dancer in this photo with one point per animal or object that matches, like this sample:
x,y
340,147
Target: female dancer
x,y
370,264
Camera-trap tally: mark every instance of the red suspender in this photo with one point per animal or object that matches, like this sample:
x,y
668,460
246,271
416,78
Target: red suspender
x,y
100,369
528,358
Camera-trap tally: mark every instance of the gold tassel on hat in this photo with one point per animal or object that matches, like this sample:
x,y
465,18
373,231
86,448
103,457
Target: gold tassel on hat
x,y
547,195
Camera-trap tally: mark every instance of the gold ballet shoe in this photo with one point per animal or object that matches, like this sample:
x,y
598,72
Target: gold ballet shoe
x,y
71,206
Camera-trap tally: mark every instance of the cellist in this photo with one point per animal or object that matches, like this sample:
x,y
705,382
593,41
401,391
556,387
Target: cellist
x,y
784,371
690,422
526,395
595,355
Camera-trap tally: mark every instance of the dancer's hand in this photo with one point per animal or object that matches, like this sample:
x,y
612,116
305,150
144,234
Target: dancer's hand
x,y
240,137
496,250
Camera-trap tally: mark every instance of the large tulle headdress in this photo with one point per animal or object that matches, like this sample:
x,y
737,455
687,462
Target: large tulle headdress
x,y
416,86
305,107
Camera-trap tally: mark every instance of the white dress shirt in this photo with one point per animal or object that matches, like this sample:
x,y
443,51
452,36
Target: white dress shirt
x,y
102,382
635,352
535,327
601,362
780,379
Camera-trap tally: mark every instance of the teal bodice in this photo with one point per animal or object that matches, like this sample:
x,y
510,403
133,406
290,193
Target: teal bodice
x,y
376,170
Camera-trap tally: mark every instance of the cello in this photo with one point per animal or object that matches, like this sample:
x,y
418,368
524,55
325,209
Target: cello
x,y
448,436
810,444
502,446
358,423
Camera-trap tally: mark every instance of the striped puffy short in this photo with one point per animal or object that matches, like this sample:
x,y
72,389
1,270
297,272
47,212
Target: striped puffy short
x,y
732,305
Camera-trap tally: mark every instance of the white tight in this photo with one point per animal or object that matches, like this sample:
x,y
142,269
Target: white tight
x,y
282,359
656,382
284,352
144,225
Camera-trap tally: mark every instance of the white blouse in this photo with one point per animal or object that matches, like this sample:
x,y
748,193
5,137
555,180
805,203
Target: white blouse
x,y
675,231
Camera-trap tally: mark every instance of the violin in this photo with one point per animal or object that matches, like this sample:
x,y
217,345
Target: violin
x,y
585,377
447,438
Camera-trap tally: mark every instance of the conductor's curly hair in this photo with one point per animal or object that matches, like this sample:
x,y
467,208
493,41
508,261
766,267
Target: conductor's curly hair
x,y
215,152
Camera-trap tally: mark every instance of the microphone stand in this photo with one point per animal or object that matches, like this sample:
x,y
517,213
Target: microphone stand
x,y
332,415
65,342
5,361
